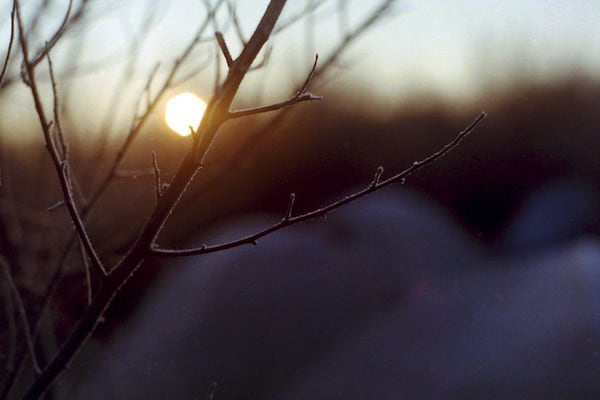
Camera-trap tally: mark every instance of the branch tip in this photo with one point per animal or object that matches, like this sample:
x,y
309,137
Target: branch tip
x,y
290,206
377,176
56,206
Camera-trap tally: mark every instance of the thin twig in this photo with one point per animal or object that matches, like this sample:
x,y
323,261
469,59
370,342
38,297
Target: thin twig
x,y
218,108
76,217
141,249
141,121
224,49
290,206
10,43
61,138
300,96
44,51
60,165
157,184
262,133
86,270
21,312
375,184
113,170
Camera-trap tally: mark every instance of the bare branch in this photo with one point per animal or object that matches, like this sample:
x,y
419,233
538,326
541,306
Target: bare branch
x,y
57,124
10,43
158,189
290,206
142,247
224,48
56,206
65,178
300,96
324,66
141,120
44,51
60,165
377,176
373,186
21,312
86,270
218,108
310,76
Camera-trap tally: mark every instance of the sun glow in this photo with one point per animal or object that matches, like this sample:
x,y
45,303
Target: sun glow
x,y
183,111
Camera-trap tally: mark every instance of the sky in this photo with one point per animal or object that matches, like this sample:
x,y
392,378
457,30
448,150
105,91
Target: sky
x,y
453,49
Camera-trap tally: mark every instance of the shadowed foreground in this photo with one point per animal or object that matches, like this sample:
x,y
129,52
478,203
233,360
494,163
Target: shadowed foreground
x,y
388,299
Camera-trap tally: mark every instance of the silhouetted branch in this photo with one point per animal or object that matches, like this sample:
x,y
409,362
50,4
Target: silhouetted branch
x,y
44,51
141,120
10,43
61,165
157,184
376,184
116,277
300,96
218,108
61,138
290,206
224,48
86,270
218,112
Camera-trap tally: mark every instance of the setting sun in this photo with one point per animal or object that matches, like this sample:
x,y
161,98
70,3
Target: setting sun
x,y
183,111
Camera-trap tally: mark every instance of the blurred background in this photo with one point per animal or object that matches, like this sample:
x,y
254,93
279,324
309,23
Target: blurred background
x,y
399,79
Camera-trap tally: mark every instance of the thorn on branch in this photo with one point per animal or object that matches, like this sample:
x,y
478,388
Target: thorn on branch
x,y
290,206
157,184
56,206
307,96
377,177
